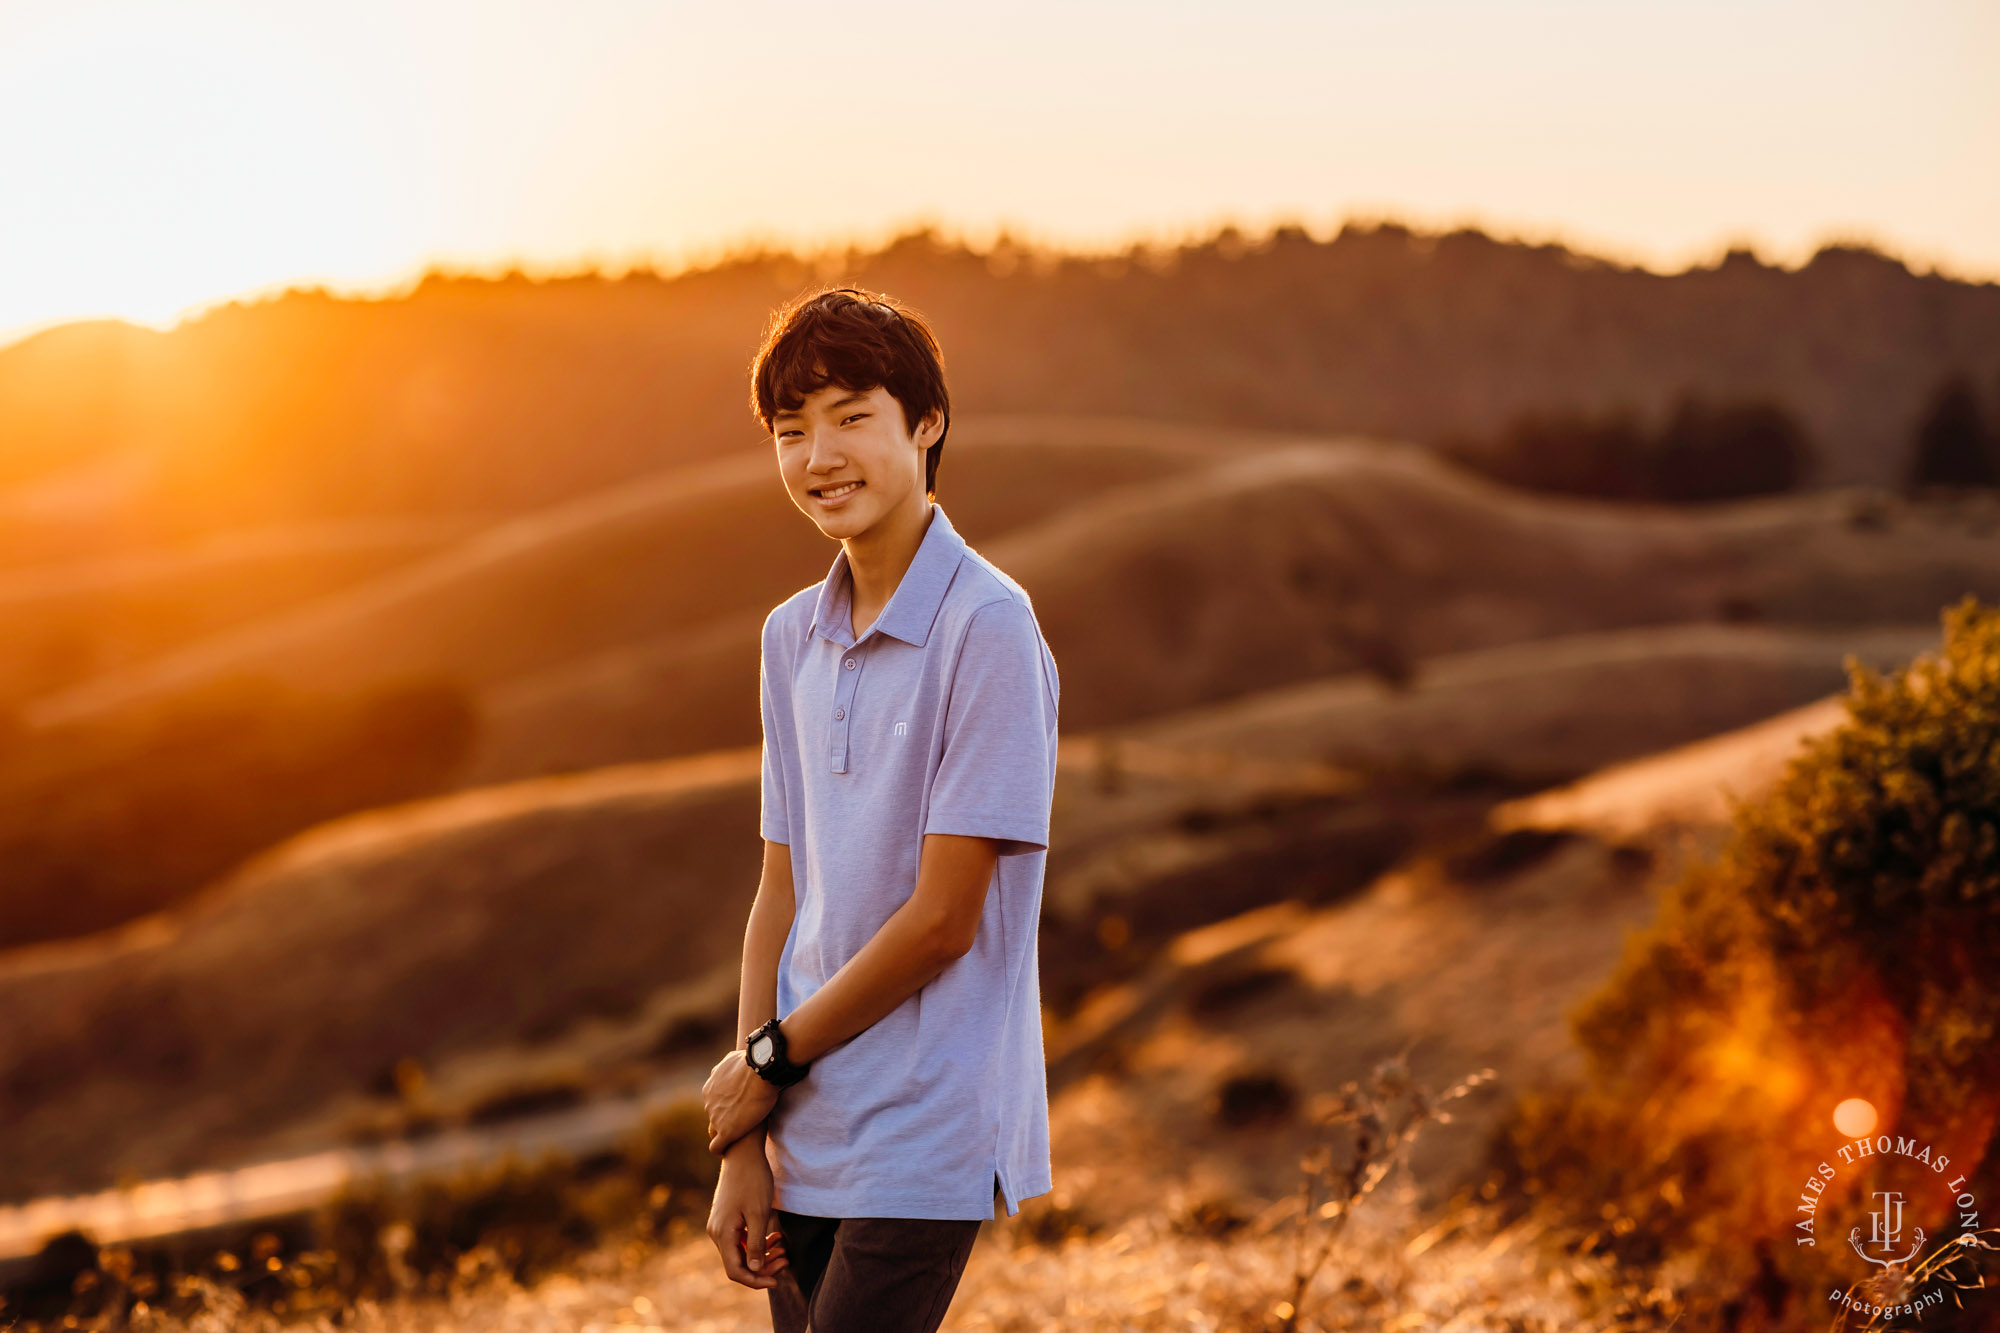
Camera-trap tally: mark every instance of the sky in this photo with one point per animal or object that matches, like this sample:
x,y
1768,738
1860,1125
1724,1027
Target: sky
x,y
165,154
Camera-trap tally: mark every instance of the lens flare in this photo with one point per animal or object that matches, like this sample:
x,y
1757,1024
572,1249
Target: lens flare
x,y
1854,1117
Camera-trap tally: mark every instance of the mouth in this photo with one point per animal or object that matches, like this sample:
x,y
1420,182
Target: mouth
x,y
830,496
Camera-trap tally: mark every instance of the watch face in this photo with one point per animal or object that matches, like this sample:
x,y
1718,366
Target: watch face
x,y
760,1051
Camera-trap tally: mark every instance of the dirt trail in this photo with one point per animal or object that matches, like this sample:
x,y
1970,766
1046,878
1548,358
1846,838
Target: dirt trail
x,y
268,1190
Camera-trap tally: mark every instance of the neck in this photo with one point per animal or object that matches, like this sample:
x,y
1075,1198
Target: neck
x,y
878,558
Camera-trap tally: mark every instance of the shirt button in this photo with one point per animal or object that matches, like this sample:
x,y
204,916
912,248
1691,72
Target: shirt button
x,y
839,713
850,664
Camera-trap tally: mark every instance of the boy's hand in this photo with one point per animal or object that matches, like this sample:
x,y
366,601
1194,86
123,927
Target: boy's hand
x,y
736,1100
742,1210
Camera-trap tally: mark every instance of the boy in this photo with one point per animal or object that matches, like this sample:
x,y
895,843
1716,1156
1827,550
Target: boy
x,y
891,1088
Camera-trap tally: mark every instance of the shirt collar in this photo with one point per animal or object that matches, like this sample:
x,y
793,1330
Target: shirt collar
x,y
913,607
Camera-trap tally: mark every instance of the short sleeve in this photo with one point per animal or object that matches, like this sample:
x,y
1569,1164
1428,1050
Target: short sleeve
x,y
774,818
996,776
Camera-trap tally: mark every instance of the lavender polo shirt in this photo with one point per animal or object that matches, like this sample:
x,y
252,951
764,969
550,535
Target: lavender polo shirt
x,y
940,719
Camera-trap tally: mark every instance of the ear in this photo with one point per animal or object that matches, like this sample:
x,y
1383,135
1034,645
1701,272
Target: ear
x,y
931,427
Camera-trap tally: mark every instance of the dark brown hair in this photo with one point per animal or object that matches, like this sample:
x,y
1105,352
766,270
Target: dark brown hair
x,y
858,341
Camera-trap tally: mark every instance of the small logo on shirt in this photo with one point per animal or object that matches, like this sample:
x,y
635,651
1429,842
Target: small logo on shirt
x,y
902,728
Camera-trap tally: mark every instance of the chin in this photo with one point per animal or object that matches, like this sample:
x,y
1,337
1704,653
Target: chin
x,y
841,523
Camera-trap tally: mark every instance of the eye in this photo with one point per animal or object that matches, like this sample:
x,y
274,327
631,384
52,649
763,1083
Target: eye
x,y
785,434
854,417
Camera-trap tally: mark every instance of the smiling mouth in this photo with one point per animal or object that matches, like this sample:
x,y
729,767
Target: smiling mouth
x,y
835,492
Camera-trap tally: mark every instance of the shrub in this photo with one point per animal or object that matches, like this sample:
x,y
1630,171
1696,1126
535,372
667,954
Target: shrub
x,y
1705,450
1954,445
1876,861
1725,451
1569,453
1843,943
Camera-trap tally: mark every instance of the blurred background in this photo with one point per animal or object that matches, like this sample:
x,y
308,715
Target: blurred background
x,y
1458,452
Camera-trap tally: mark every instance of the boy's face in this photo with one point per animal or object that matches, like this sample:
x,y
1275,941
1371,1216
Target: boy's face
x,y
841,436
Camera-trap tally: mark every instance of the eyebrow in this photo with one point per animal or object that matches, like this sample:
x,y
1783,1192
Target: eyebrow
x,y
858,396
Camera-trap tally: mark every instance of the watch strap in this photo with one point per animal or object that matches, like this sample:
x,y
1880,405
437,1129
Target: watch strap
x,y
779,1069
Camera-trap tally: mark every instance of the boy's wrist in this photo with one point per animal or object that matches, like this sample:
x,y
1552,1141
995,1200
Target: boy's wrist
x,y
751,1145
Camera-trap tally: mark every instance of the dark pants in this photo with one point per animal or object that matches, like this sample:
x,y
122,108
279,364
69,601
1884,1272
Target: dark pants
x,y
868,1274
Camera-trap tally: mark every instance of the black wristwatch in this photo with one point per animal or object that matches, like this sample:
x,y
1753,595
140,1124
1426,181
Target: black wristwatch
x,y
764,1051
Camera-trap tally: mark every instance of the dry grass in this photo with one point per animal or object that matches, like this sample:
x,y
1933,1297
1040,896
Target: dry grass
x,y
530,1249
1466,1271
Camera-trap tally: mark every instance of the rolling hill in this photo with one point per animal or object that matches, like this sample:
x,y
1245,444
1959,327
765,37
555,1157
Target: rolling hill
x,y
488,396
1172,569
590,921
661,556
1302,561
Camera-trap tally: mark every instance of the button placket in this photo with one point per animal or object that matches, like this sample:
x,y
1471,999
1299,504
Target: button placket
x,y
843,705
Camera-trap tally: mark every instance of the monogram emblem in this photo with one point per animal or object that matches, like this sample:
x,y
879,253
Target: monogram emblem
x,y
1886,1230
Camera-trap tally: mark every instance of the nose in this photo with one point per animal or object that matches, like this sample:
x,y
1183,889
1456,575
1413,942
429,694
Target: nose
x,y
821,455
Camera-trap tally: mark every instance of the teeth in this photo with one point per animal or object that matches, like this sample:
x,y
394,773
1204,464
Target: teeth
x,y
838,491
